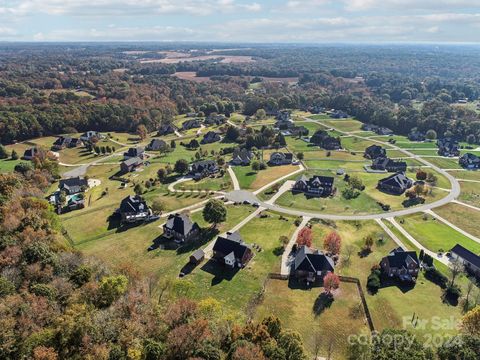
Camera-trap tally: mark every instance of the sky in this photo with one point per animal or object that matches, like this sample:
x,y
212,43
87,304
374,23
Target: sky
x,y
265,21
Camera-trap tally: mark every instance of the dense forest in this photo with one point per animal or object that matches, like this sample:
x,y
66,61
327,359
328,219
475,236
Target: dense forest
x,y
50,89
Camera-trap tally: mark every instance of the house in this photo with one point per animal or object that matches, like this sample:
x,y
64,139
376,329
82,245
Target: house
x,y
395,184
202,169
470,260
72,202
401,264
339,114
130,165
166,129
210,137
241,157
369,127
191,124
156,145
134,209
215,119
383,131
324,140
232,251
280,158
30,153
448,147
63,142
134,152
197,257
299,131
375,151
73,185
387,164
180,228
469,161
416,136
90,135
314,186
283,120
311,265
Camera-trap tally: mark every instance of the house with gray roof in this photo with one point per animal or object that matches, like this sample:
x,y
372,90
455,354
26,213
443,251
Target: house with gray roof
x,y
395,184
180,228
280,158
469,161
134,209
470,260
314,186
241,157
73,185
156,145
232,251
400,264
311,265
130,165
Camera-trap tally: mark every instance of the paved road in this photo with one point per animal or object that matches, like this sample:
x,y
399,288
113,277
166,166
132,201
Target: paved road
x,y
466,205
391,234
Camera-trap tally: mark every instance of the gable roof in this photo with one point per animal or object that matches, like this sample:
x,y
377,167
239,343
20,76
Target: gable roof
x,y
73,185
132,161
470,158
399,180
156,143
399,258
312,261
466,254
181,223
203,164
133,204
231,243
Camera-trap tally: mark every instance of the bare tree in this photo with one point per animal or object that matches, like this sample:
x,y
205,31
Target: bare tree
x,y
455,269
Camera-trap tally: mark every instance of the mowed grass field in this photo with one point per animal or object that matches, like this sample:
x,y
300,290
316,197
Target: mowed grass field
x,y
251,180
465,218
466,174
435,235
346,125
444,163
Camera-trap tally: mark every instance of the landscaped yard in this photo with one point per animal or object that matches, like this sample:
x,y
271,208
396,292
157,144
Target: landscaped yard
x,y
366,203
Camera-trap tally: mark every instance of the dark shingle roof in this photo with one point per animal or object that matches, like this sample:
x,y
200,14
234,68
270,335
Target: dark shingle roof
x,y
231,243
133,204
133,152
73,185
466,254
312,261
132,161
399,258
181,223
399,180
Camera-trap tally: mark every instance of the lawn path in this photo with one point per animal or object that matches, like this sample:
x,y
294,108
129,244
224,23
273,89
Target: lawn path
x,y
453,226
467,180
391,234
466,205
287,185
286,258
416,243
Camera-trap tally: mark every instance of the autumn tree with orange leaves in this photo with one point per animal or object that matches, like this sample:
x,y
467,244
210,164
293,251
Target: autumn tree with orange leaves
x,y
332,243
305,237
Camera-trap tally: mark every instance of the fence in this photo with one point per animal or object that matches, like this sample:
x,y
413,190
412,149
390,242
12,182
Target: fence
x,y
362,297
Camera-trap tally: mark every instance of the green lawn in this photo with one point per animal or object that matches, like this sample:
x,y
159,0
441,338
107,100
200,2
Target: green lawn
x,y
435,235
353,143
465,218
416,145
223,183
467,175
445,163
249,179
346,125
7,165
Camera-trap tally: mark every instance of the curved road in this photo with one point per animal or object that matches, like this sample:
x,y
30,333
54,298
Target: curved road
x,y
242,195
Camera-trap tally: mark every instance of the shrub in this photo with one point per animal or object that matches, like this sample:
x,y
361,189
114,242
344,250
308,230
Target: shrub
x,y
436,277
6,287
350,193
44,290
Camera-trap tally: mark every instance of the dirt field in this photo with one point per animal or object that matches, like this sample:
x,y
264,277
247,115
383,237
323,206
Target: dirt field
x,y
191,76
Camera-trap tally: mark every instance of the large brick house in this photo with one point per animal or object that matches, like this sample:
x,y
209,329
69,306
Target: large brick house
x,y
400,264
311,265
315,185
395,184
232,251
180,228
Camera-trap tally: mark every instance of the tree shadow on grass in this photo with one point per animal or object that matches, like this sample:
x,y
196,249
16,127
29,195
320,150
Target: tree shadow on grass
x,y
322,302
219,271
206,235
